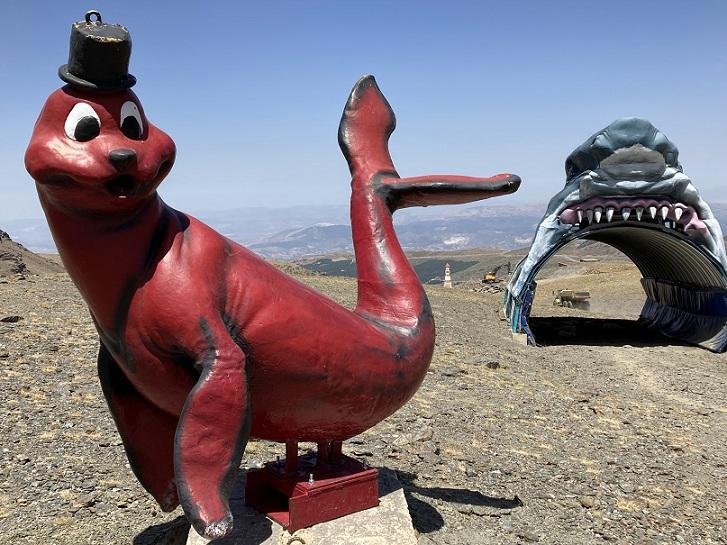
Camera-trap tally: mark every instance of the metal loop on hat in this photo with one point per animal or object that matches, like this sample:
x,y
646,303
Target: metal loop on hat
x,y
98,20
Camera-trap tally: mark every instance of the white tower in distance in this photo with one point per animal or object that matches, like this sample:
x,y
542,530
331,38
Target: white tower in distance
x,y
447,277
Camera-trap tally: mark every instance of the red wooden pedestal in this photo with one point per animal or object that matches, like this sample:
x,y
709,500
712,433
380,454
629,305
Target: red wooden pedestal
x,y
294,500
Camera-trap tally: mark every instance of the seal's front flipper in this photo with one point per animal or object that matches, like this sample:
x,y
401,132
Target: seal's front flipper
x,y
431,190
146,430
213,430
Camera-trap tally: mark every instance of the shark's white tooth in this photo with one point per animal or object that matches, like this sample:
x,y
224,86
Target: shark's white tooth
x,y
580,215
652,212
597,214
678,213
664,212
639,212
589,215
626,213
609,213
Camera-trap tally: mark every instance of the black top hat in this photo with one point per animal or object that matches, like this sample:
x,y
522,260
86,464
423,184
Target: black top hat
x,y
99,56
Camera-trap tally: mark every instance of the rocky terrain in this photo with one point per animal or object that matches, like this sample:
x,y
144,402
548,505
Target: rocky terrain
x,y
608,442
17,262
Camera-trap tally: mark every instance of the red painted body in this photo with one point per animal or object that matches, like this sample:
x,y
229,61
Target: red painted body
x,y
202,342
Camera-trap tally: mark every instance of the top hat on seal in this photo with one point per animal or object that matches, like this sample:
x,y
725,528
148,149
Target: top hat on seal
x,y
99,56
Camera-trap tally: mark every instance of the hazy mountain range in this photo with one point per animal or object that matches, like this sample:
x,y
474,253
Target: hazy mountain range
x,y
294,232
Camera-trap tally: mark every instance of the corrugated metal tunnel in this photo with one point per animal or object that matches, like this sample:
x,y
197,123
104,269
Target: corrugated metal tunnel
x,y
664,255
686,291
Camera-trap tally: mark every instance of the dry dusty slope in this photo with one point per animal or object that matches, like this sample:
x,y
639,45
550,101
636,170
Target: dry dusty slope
x,y
503,443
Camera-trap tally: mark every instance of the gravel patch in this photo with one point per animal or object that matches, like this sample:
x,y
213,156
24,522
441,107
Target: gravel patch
x,y
503,444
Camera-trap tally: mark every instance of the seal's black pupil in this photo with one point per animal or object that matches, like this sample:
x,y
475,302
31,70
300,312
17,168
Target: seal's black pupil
x,y
87,128
130,127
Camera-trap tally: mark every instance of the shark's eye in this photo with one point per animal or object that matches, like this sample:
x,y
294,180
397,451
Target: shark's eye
x,y
131,124
82,123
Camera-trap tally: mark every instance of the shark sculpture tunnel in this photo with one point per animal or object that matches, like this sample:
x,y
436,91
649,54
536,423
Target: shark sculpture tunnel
x,y
626,188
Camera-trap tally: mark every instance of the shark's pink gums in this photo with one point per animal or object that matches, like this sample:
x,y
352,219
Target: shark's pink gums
x,y
635,209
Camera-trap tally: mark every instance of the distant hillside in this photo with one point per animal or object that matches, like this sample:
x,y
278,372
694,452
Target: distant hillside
x,y
472,264
298,232
451,228
428,270
16,260
293,232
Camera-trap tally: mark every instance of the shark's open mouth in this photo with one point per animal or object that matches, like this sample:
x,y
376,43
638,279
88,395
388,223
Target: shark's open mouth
x,y
600,210
626,188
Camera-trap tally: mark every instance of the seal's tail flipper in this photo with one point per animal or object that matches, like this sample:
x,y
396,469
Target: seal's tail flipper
x,y
388,288
367,124
432,190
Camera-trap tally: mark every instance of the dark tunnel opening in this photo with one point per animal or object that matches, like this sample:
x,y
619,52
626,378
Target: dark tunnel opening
x,y
683,290
575,330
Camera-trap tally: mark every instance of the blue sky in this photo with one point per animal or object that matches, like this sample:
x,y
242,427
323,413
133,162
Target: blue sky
x,y
252,92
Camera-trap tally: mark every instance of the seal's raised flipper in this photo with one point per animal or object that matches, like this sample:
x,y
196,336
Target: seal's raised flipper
x,y
444,189
363,134
366,125
213,430
147,432
388,288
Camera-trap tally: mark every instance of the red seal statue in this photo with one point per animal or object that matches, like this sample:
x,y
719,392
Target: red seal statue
x,y
202,343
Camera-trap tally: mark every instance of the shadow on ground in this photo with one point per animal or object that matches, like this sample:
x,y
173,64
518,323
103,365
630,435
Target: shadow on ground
x,y
567,330
426,518
170,533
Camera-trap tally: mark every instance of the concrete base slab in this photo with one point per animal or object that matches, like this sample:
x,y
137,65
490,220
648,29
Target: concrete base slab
x,y
520,338
388,523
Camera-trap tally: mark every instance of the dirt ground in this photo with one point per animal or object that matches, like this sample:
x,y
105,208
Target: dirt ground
x,y
503,444
615,290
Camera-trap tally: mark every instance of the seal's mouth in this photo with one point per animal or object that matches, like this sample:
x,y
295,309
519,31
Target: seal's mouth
x,y
122,187
126,186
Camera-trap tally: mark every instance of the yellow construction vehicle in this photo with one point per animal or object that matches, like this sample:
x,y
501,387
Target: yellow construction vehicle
x,y
572,299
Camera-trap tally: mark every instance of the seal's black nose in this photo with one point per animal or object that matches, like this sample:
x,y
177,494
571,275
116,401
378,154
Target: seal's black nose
x,y
122,158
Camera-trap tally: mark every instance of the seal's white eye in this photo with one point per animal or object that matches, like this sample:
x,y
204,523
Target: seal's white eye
x,y
131,123
82,123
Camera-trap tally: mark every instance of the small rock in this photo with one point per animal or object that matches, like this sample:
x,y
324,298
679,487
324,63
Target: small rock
x,y
587,501
528,536
465,509
480,510
11,319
